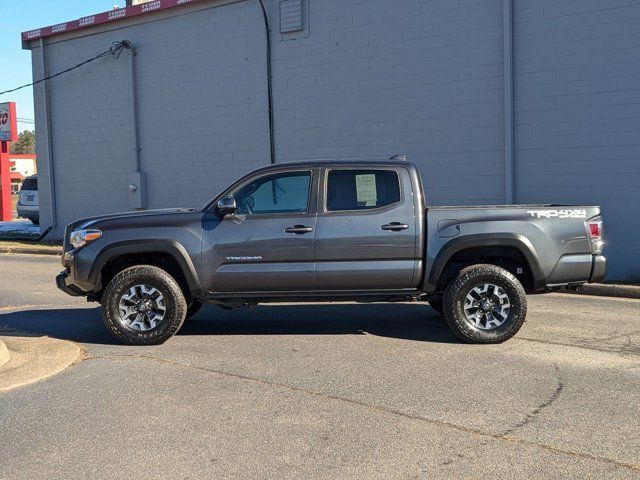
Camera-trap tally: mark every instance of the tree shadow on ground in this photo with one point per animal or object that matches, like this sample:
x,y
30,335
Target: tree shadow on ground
x,y
416,322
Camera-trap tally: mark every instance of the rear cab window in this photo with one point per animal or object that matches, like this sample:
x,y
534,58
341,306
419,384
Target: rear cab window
x,y
30,184
361,189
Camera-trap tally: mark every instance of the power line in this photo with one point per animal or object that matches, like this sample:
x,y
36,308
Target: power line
x,y
115,50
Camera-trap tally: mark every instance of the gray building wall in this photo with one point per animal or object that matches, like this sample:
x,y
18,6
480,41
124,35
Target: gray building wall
x,y
201,111
363,80
577,114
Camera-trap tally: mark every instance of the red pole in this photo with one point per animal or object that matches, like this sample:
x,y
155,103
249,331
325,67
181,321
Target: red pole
x,y
6,213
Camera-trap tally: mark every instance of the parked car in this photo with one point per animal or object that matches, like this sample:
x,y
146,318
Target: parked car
x,y
329,231
27,205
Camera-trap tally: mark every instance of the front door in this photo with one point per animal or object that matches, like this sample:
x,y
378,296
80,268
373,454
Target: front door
x,y
267,245
366,231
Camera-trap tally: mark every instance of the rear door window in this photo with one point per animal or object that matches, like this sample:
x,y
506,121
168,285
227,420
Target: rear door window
x,y
362,189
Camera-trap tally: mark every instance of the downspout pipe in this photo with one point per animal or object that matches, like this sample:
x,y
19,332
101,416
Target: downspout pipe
x,y
272,144
509,152
132,105
48,139
137,181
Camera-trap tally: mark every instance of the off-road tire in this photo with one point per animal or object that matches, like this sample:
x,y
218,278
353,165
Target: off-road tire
x,y
176,305
477,275
193,309
437,305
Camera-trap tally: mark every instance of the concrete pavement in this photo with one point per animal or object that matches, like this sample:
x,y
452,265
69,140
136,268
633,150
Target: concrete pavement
x,y
329,391
30,358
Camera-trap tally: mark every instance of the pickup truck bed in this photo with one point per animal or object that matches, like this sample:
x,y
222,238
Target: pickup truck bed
x,y
562,253
329,231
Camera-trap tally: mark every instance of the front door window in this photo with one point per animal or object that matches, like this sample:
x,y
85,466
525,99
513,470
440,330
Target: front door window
x,y
280,193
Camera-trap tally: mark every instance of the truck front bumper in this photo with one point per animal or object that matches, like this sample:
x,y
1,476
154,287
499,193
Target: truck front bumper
x,y
73,280
62,282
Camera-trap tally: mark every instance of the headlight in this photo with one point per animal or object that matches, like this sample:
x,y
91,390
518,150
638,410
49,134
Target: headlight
x,y
79,238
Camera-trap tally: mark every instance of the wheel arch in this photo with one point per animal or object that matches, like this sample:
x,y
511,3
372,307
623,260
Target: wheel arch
x,y
129,253
484,246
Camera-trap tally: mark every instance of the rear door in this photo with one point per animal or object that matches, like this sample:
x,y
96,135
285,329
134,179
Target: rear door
x,y
268,244
366,234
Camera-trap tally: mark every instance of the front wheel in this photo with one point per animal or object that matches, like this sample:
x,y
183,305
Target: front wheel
x,y
485,304
143,305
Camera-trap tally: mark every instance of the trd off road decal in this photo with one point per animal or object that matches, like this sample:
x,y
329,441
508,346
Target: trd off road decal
x,y
558,213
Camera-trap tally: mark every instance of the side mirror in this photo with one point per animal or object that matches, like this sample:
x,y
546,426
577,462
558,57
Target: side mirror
x,y
226,206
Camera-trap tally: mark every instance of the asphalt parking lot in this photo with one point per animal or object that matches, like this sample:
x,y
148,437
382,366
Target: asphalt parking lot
x,y
325,391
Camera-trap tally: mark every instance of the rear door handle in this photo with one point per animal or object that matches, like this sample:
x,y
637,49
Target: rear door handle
x,y
394,226
299,229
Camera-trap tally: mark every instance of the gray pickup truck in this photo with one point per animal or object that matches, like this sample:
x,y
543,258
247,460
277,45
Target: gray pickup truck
x,y
329,231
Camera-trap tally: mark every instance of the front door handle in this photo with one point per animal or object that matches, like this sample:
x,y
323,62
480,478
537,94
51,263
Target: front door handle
x,y
299,229
394,226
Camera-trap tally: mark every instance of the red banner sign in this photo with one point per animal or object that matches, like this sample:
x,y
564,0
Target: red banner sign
x,y
105,17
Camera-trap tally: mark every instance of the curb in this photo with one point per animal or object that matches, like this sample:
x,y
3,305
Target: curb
x,y
5,356
31,250
34,358
607,290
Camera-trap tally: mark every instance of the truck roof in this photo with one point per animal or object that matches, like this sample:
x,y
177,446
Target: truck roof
x,y
315,163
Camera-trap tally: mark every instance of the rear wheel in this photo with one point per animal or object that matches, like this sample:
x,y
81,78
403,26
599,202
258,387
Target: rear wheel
x,y
143,305
485,304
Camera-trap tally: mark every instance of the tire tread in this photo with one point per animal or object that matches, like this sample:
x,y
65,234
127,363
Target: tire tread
x,y
176,305
459,286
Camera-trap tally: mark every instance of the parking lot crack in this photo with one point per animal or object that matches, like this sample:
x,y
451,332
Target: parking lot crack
x,y
506,436
531,416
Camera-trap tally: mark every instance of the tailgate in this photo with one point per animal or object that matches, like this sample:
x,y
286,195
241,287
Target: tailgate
x,y
29,198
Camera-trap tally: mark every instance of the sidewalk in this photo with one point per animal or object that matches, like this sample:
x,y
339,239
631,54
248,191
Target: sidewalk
x,y
27,230
609,290
19,228
29,248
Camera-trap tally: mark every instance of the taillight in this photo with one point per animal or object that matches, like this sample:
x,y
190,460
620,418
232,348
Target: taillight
x,y
594,227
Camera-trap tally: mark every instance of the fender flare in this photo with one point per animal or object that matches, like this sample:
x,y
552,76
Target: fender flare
x,y
170,247
520,242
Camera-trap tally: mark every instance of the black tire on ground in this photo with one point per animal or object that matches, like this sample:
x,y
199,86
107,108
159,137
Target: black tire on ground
x,y
193,309
174,302
478,276
437,306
